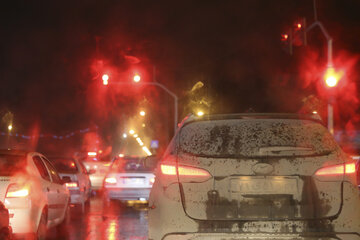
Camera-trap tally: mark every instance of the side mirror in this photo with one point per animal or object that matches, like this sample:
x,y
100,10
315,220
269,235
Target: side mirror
x,y
151,162
66,179
91,171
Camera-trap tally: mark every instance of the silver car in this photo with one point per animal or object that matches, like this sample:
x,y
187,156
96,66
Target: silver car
x,y
128,180
254,176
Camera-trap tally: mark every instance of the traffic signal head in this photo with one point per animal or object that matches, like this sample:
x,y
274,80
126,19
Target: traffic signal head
x,y
137,78
105,79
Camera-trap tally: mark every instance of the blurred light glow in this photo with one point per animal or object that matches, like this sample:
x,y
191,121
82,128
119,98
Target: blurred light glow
x,y
147,151
92,153
332,77
143,125
142,113
71,185
200,113
10,127
105,79
124,135
137,78
110,180
121,155
131,131
135,135
315,112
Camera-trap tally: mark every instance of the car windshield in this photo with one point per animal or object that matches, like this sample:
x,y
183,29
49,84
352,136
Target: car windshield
x,y
65,165
256,138
133,165
10,164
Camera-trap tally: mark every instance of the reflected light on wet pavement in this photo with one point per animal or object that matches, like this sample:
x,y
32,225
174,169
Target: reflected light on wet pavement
x,y
99,222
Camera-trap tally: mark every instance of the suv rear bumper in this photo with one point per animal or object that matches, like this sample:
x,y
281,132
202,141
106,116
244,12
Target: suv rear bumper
x,y
250,236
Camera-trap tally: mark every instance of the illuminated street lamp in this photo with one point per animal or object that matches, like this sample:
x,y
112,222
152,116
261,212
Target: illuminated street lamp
x,y
105,79
137,78
200,113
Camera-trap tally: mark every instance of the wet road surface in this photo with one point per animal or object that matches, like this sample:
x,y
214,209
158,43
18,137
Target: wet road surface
x,y
100,222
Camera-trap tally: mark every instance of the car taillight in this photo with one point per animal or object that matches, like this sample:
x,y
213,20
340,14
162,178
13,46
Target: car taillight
x,y
17,191
186,173
152,180
72,185
340,170
110,180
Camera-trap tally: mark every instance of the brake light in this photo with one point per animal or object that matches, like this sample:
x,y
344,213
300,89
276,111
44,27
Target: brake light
x,y
186,173
110,180
17,191
152,180
337,170
72,185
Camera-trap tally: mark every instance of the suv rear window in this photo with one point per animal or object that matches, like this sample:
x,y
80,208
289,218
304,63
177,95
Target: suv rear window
x,y
10,164
256,138
65,165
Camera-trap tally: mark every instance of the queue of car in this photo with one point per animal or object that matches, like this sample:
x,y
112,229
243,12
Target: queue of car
x,y
239,176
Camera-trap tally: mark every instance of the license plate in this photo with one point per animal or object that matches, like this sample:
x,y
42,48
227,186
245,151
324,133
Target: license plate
x,y
133,180
264,185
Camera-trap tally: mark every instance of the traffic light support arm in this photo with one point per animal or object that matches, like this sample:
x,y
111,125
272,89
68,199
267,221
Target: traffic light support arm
x,y
328,38
156,84
329,65
172,95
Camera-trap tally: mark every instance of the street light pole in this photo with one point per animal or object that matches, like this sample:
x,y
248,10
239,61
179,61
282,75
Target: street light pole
x,y
329,66
156,84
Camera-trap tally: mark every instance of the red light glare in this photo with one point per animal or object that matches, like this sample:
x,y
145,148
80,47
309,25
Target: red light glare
x,y
137,78
284,37
298,25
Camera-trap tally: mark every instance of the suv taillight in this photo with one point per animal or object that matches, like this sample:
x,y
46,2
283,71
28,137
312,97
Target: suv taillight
x,y
186,173
336,171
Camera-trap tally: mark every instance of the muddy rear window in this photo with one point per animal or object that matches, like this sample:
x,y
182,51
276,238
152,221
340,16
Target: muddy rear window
x,y
11,164
256,138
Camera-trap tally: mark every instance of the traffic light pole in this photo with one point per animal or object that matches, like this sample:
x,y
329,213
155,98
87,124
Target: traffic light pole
x,y
329,65
156,84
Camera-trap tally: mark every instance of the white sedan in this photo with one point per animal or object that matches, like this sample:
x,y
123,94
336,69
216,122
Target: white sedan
x,y
33,192
76,177
128,180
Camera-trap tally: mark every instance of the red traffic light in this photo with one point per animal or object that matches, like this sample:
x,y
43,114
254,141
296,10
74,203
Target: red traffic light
x,y
284,37
105,79
137,78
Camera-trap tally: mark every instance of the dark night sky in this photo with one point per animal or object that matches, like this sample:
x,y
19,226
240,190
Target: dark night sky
x,y
48,51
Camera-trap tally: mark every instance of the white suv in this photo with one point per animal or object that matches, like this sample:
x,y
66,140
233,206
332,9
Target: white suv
x,y
33,192
254,176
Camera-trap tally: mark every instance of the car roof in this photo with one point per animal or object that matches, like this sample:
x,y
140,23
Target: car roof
x,y
295,116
